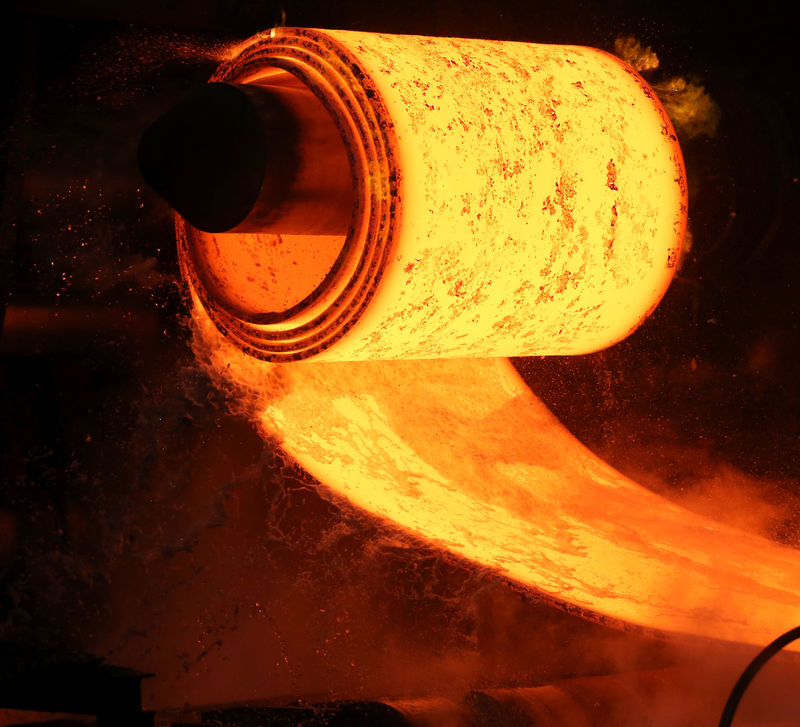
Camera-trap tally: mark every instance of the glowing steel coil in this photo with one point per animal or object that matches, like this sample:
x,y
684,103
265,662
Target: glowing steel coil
x,y
510,199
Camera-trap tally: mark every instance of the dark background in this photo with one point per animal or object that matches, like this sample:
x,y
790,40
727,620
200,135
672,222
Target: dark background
x,y
124,472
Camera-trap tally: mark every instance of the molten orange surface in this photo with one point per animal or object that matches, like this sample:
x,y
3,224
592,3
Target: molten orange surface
x,y
510,199
542,201
259,274
461,452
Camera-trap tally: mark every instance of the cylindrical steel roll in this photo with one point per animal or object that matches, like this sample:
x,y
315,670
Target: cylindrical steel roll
x,y
509,199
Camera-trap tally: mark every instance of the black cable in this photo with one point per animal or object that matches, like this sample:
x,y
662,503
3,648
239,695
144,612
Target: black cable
x,y
749,674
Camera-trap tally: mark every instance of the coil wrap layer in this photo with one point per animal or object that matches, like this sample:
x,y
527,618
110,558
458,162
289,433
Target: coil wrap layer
x,y
511,199
461,453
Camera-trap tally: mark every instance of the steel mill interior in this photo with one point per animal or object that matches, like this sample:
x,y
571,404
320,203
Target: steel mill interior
x,y
190,535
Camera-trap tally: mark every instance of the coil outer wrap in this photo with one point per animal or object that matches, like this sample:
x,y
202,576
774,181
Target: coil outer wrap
x,y
512,198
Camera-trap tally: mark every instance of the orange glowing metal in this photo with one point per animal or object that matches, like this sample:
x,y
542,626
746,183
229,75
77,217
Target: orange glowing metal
x,y
510,199
460,452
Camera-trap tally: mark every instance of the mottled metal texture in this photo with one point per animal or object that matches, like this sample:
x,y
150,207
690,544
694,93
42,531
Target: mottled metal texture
x,y
461,453
513,198
543,203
